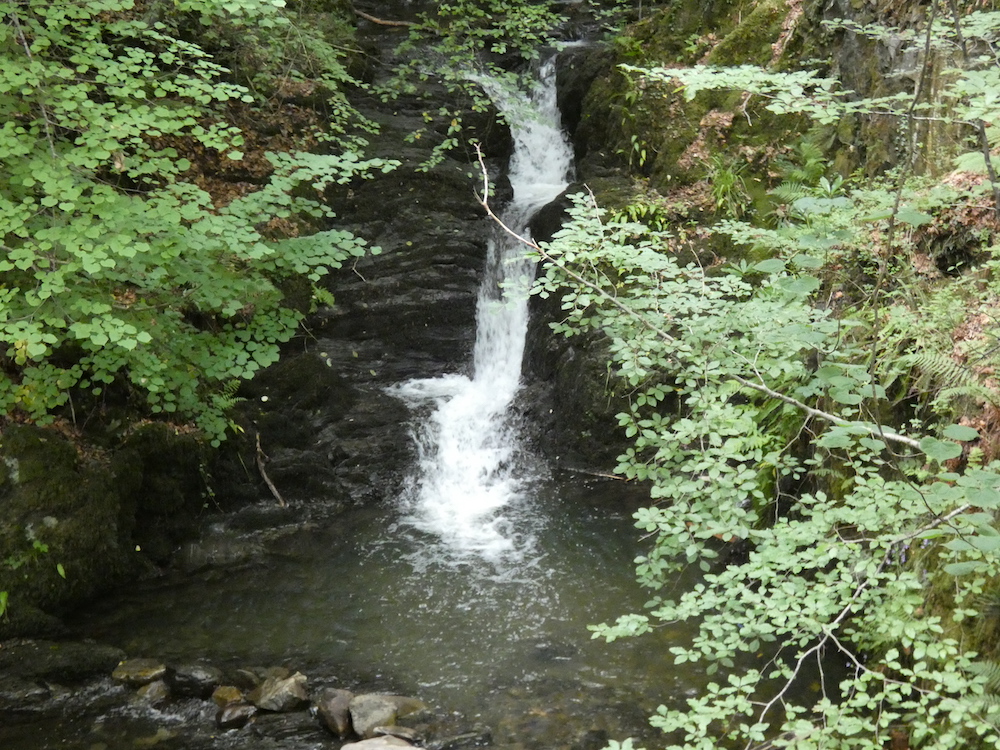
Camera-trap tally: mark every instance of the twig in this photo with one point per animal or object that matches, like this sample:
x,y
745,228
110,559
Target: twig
x,y
600,474
261,458
381,21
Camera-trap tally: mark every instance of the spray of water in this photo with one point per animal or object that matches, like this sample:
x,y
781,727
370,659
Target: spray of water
x,y
471,479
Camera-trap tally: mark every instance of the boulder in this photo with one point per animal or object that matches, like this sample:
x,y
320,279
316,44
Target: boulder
x,y
194,680
281,694
139,672
371,711
333,709
234,715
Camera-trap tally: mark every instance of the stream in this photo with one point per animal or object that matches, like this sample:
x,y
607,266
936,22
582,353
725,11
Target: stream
x,y
472,591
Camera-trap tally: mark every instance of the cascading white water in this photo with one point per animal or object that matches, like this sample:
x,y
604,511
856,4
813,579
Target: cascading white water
x,y
469,469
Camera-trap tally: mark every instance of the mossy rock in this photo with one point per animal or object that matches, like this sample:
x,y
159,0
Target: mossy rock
x,y
749,43
72,517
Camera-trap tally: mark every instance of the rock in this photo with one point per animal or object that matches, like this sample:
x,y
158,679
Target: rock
x,y
479,737
226,694
139,672
377,743
194,680
57,661
154,693
162,735
404,733
246,679
374,710
289,730
234,715
333,709
17,694
276,694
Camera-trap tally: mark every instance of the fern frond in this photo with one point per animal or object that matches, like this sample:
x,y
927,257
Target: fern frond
x,y
948,378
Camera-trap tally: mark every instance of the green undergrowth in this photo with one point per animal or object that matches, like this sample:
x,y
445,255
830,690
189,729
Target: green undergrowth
x,y
815,405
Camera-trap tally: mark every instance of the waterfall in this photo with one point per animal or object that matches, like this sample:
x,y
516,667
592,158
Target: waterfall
x,y
470,475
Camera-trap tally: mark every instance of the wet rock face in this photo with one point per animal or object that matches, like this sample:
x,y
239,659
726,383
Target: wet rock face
x,y
330,432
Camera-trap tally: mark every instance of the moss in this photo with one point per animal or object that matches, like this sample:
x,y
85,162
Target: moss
x,y
750,41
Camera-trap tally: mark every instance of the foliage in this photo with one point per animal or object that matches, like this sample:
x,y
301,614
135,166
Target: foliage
x,y
116,270
823,511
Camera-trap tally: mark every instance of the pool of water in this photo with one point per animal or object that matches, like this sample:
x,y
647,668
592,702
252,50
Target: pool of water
x,y
373,601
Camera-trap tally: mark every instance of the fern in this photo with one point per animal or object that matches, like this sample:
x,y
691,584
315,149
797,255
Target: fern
x,y
950,379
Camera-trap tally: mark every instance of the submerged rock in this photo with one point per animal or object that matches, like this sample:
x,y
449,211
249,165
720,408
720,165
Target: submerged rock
x,y
55,661
16,694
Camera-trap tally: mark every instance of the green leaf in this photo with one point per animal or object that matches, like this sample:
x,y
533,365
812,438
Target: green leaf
x,y
771,265
940,450
960,432
913,217
963,568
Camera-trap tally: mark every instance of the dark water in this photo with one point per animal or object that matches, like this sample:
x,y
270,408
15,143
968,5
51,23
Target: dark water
x,y
372,602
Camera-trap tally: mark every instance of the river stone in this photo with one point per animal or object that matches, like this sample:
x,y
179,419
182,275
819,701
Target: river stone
x,y
139,672
333,708
375,710
226,694
377,743
276,694
194,680
154,693
246,679
234,715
